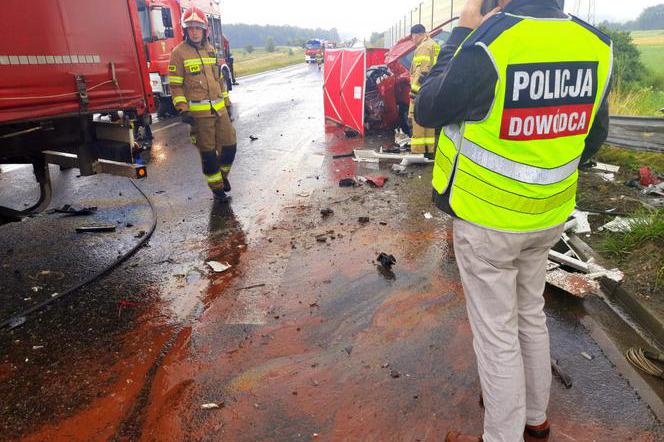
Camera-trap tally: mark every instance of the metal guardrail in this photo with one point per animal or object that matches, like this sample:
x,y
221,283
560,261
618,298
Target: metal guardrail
x,y
637,133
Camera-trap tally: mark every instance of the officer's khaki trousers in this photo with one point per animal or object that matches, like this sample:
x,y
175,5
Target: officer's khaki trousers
x,y
503,280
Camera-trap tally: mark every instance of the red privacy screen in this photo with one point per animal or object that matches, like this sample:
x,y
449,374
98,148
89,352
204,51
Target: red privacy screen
x,y
343,87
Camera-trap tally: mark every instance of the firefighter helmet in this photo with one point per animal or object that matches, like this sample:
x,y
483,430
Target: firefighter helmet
x,y
194,18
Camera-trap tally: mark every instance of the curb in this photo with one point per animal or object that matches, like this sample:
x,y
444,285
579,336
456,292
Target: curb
x,y
637,310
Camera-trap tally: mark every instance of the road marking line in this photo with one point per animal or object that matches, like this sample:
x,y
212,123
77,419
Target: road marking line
x,y
167,127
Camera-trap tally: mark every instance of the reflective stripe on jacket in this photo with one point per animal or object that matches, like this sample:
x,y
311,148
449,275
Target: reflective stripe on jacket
x,y
516,170
196,79
424,59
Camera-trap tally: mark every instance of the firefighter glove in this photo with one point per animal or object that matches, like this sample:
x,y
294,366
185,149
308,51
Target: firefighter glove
x,y
187,118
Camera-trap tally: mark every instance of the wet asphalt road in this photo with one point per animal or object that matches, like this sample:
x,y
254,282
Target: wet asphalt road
x,y
305,338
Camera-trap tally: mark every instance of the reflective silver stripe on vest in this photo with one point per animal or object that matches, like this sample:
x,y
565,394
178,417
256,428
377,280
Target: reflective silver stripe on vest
x,y
517,171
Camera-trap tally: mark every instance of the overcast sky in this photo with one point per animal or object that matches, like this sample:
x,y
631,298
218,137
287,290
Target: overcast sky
x,y
361,17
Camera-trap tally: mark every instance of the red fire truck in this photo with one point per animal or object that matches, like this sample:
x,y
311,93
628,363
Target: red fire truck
x,y
64,64
314,51
161,26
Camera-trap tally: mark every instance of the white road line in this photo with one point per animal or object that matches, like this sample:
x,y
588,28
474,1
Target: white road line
x,y
167,127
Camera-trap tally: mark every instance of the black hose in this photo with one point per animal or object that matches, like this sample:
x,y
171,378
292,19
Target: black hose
x,y
21,318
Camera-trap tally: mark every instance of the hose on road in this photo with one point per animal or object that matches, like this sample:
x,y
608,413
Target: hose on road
x,y
643,361
21,318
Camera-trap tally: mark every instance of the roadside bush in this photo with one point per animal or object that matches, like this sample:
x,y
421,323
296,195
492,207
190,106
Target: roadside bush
x,y
269,44
249,49
627,66
290,52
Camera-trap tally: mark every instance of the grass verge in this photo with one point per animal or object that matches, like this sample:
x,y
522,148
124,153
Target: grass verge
x,y
261,61
631,160
645,240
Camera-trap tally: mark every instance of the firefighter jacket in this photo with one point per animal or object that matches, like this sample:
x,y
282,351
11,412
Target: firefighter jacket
x,y
196,80
425,57
511,163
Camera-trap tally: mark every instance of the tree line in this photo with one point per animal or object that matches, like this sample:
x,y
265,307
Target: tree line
x,y
243,35
651,18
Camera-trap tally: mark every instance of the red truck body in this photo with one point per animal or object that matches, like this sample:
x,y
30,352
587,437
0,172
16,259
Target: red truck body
x,y
46,43
74,88
161,26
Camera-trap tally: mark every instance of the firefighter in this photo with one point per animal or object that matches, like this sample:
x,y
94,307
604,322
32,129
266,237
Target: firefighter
x,y
200,96
426,54
521,96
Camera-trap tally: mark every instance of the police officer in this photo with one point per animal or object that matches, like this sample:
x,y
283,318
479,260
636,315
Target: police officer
x,y
425,56
200,95
521,96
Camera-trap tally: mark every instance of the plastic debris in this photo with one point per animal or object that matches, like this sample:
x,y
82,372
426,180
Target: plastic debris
x,y
586,355
210,406
326,212
607,167
428,215
620,225
582,224
218,267
253,138
647,178
363,220
373,181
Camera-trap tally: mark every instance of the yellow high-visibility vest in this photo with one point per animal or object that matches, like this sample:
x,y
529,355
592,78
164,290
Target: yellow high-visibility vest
x,y
517,170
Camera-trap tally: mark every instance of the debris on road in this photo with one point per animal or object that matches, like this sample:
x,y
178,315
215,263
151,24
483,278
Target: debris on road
x,y
326,212
363,220
564,377
373,181
211,406
343,155
348,182
218,267
586,355
369,155
394,374
70,210
253,138
387,261
428,215
647,178
96,228
582,223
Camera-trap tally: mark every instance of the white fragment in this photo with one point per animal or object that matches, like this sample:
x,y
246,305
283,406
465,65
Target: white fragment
x,y
608,177
37,347
607,167
428,215
210,406
582,224
218,267
586,355
620,225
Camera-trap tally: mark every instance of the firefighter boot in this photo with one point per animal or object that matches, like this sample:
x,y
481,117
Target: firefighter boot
x,y
537,432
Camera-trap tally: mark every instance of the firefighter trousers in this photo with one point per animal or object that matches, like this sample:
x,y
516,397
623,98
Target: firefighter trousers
x,y
215,138
423,140
503,276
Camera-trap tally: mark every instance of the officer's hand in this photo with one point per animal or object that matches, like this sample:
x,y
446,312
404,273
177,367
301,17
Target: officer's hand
x,y
187,118
471,16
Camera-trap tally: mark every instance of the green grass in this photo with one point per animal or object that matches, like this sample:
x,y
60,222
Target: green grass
x,y
630,160
260,60
648,228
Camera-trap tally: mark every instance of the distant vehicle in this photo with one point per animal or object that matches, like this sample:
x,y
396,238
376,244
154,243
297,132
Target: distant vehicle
x,y
313,51
161,27
62,65
387,95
